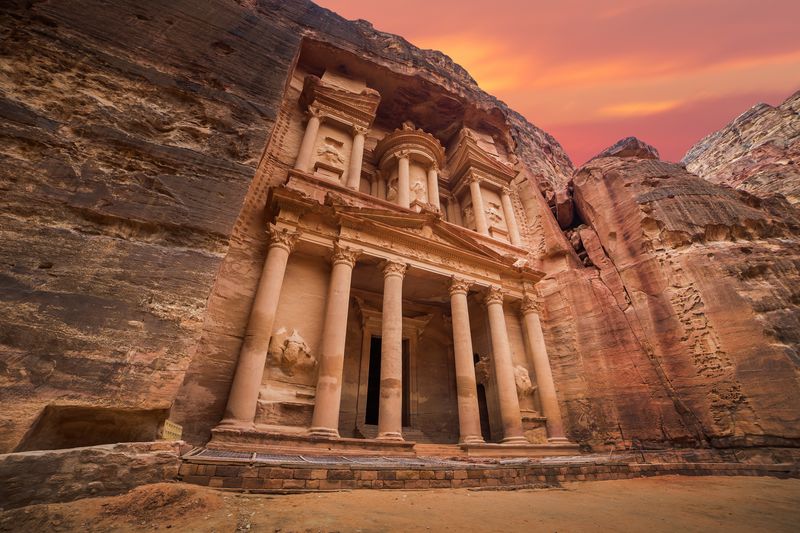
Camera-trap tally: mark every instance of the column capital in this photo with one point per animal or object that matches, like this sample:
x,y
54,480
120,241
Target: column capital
x,y
314,111
282,237
506,190
359,129
475,179
344,254
394,268
494,295
403,154
530,305
434,167
459,285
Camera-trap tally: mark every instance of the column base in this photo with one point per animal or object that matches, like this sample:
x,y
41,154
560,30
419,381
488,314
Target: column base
x,y
472,439
323,432
558,440
232,423
514,440
390,435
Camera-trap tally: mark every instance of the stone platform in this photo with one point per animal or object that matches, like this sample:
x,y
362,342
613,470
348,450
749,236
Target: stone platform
x,y
262,472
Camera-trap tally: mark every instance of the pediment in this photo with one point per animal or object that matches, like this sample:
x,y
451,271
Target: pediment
x,y
424,226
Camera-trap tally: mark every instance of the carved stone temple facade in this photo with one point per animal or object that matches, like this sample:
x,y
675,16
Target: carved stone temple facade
x,y
396,303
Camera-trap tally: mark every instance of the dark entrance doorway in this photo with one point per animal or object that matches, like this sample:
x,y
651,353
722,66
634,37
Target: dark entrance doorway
x,y
374,382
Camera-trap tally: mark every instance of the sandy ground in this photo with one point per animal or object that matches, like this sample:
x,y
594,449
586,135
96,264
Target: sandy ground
x,y
669,503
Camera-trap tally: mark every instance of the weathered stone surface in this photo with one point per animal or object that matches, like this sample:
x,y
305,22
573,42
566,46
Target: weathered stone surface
x,y
69,474
758,152
689,323
629,147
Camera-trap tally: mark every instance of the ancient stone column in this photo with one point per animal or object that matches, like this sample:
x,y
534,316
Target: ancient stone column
x,y
325,421
403,185
303,162
469,421
433,186
243,397
541,366
451,212
356,158
457,209
477,206
390,412
504,369
511,219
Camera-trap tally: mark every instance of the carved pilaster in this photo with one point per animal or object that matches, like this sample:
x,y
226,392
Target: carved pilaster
x,y
459,285
344,254
282,238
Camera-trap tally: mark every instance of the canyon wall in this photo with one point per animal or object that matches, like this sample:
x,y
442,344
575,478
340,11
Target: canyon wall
x,y
758,152
132,229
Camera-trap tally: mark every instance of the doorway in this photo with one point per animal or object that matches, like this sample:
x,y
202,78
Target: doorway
x,y
374,383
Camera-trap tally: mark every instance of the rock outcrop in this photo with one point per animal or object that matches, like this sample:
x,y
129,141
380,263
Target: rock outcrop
x,y
758,152
685,329
629,147
132,226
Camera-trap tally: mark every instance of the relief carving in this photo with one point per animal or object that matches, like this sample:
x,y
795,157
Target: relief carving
x,y
419,191
469,217
522,379
493,211
330,152
483,370
291,353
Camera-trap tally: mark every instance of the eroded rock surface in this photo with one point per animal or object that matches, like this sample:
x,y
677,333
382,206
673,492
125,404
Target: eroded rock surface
x,y
758,152
629,147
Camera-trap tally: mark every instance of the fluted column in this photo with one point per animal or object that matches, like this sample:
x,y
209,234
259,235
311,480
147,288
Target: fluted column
x,y
303,161
503,369
325,421
511,219
390,412
477,206
541,366
356,158
403,186
433,186
469,421
243,397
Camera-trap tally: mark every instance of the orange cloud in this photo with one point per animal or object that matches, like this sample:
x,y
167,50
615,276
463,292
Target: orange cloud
x,y
637,109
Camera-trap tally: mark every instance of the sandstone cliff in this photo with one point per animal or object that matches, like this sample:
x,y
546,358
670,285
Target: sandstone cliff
x,y
685,327
758,152
132,224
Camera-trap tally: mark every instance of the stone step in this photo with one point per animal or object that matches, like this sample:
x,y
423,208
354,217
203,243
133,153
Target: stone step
x,y
439,450
370,431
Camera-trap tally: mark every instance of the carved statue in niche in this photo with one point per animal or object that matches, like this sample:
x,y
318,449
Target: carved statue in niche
x,y
391,190
291,353
522,379
483,369
329,152
418,189
494,213
469,217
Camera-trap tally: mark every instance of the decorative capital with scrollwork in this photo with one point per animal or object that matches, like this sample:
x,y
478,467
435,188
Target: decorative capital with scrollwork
x,y
494,295
358,129
506,191
403,153
475,179
314,111
529,305
394,268
345,255
459,286
282,237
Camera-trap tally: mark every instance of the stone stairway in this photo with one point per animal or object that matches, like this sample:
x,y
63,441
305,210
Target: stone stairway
x,y
439,450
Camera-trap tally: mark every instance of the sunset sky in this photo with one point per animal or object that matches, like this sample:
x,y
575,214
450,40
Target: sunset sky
x,y
592,72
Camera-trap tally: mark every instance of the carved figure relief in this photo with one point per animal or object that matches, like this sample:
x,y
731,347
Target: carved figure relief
x,y
330,152
419,191
494,213
469,217
291,353
522,379
391,191
483,369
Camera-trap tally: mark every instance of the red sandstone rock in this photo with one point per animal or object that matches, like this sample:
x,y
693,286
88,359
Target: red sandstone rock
x,y
758,152
629,147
